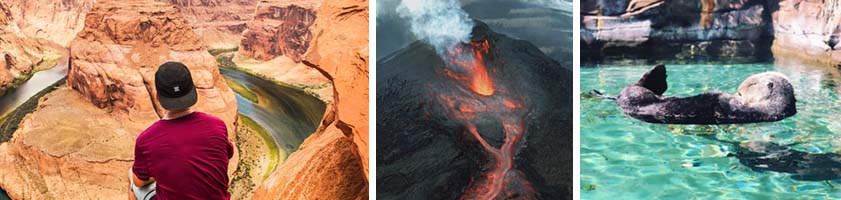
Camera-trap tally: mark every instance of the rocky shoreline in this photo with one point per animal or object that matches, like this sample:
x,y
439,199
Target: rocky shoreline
x,y
742,31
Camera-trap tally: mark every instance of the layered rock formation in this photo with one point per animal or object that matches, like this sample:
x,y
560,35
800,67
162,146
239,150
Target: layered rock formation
x,y
676,29
219,23
55,21
115,57
808,30
5,15
20,55
275,41
79,142
279,28
332,163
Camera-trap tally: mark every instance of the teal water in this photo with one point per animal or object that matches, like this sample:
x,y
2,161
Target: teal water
x,y
629,159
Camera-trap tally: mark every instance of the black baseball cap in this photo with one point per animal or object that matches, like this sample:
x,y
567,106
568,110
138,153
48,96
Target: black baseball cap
x,y
175,87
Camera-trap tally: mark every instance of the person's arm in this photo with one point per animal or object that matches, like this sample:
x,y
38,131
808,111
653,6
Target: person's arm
x,y
140,182
140,175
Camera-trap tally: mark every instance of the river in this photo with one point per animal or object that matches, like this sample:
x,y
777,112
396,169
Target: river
x,y
288,114
38,82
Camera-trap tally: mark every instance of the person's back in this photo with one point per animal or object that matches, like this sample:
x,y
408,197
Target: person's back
x,y
187,156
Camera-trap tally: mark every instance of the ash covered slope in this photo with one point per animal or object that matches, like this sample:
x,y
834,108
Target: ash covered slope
x,y
547,28
422,153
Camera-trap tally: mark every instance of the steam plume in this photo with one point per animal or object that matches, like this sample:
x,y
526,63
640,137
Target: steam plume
x,y
441,23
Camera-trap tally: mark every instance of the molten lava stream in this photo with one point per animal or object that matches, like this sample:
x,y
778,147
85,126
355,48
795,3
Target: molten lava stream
x,y
496,180
470,70
472,61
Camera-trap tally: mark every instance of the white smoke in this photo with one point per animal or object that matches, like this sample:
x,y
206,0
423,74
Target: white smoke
x,y
441,23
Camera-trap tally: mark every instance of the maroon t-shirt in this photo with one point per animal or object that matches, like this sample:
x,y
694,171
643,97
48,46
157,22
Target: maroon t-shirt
x,y
187,156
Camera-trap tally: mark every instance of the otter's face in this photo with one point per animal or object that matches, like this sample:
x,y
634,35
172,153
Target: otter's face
x,y
760,87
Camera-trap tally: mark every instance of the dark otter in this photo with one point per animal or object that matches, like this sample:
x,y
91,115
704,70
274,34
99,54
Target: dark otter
x,y
762,97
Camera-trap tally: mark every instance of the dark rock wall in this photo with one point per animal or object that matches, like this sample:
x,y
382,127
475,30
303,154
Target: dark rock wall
x,y
676,29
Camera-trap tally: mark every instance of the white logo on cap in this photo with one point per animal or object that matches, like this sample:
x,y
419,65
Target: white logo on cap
x,y
176,89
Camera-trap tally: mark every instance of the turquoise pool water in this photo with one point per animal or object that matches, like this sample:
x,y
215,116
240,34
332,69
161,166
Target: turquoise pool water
x,y
629,159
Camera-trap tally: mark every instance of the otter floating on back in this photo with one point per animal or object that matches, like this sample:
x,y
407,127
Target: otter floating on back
x,y
762,97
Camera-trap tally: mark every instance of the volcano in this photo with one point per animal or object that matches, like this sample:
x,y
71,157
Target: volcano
x,y
488,119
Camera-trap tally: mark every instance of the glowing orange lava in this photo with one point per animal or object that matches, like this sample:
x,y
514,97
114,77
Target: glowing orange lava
x,y
501,180
470,58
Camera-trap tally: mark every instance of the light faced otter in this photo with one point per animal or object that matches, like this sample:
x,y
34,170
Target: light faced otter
x,y
762,97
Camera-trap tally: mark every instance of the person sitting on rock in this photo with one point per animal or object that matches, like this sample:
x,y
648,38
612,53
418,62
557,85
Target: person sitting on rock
x,y
185,154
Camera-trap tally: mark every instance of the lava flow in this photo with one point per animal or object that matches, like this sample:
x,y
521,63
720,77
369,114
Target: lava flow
x,y
501,180
470,61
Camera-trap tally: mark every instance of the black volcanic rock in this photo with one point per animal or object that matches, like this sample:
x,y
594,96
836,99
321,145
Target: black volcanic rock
x,y
424,153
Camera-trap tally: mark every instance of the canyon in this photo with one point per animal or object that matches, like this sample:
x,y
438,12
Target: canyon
x,y
219,23
21,55
274,42
333,162
78,142
113,49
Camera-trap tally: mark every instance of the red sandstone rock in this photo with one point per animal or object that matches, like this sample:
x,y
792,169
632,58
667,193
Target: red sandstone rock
x,y
333,162
274,44
113,60
55,21
279,28
79,141
19,54
218,23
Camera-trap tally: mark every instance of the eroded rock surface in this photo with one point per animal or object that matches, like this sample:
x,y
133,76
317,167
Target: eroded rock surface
x,y
279,28
79,141
218,23
20,55
332,163
55,21
275,42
